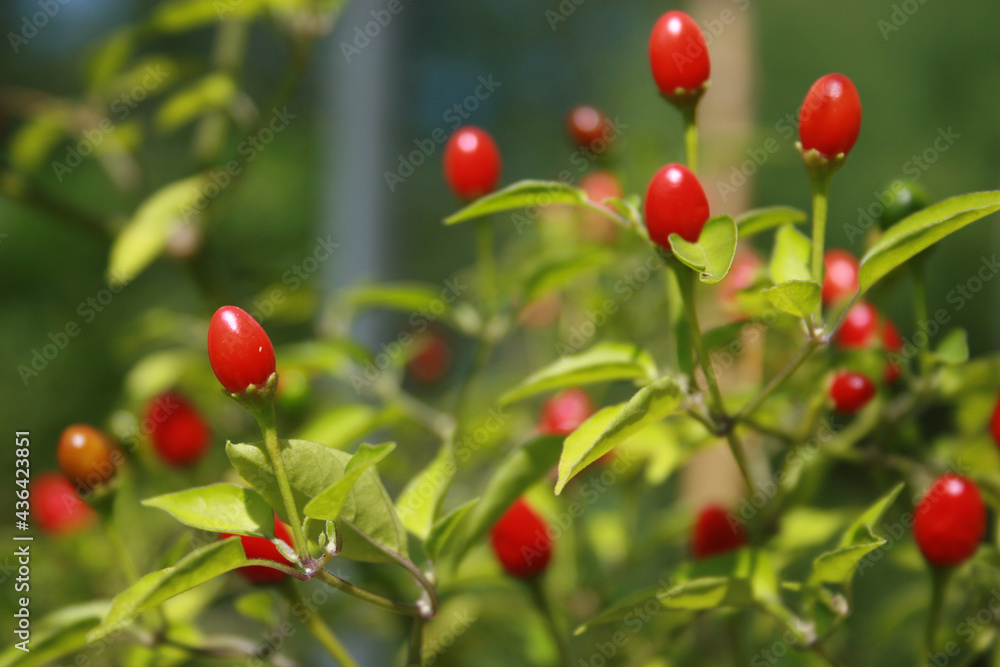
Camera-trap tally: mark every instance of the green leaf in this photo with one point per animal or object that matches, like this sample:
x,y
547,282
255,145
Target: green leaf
x,y
145,236
713,253
34,139
56,635
612,426
800,298
330,503
440,538
791,256
403,297
917,232
604,362
527,194
759,220
954,348
368,514
219,508
419,503
152,590
109,60
182,15
518,472
859,529
213,92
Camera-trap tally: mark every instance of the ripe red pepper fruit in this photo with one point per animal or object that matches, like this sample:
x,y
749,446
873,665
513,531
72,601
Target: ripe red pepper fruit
x,y
830,119
860,326
840,280
179,433
678,55
263,548
56,507
675,204
586,126
995,424
851,391
521,541
471,162
716,533
950,521
239,350
86,456
563,413
432,361
892,343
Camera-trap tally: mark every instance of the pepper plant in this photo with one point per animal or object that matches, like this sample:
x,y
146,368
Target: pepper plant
x,y
512,455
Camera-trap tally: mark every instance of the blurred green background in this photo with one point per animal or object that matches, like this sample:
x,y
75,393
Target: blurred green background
x,y
325,174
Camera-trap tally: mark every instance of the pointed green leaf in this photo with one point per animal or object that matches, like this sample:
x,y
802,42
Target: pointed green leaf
x,y
604,362
612,426
839,565
527,194
419,503
213,92
559,272
312,468
791,255
517,473
330,502
152,590
403,297
759,220
439,540
800,298
713,253
183,15
145,236
917,232
219,508
859,529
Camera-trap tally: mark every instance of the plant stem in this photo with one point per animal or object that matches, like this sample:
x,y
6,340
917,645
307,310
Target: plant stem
x,y
819,180
538,596
777,380
940,577
416,658
686,278
920,310
266,420
318,627
368,596
689,110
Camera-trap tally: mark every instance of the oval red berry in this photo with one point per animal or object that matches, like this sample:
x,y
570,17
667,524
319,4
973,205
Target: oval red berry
x,y
840,279
565,412
587,126
521,541
432,361
716,532
851,391
830,119
86,456
471,162
56,507
860,327
262,548
239,350
950,521
675,204
179,433
678,54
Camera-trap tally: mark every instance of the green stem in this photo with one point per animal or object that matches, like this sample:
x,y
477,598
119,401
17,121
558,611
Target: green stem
x,y
541,601
121,553
685,279
819,180
366,595
416,658
777,380
921,312
689,110
319,629
939,589
266,420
